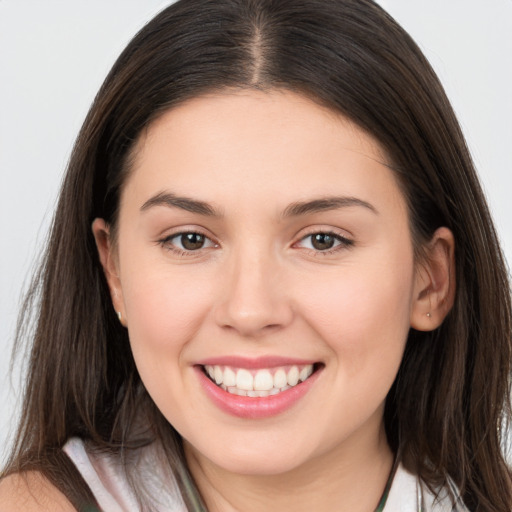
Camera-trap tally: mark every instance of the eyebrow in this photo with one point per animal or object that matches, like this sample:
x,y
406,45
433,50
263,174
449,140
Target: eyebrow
x,y
185,203
325,204
293,210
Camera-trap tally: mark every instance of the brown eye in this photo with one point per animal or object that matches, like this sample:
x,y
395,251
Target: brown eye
x,y
325,242
192,241
322,241
188,241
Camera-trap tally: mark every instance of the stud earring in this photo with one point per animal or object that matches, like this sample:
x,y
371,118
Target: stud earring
x,y
428,315
119,315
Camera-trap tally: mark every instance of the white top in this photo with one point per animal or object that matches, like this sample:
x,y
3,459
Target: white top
x,y
104,475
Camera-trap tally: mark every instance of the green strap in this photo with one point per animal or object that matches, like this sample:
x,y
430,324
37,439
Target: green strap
x,y
382,502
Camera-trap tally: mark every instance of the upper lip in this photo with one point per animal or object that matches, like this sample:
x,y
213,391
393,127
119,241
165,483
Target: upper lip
x,y
254,362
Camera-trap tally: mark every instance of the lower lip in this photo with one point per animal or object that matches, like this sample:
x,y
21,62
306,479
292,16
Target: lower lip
x,y
257,407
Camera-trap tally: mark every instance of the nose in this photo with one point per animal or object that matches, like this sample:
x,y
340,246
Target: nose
x,y
254,298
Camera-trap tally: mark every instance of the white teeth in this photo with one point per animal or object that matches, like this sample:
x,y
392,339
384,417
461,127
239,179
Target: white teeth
x,y
258,383
236,391
305,373
218,374
263,381
279,379
293,376
229,377
244,380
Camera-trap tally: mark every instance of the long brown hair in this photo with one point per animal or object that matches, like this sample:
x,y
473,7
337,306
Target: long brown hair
x,y
445,413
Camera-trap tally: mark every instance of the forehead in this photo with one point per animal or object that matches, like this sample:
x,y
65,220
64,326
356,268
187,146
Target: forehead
x,y
257,144
253,113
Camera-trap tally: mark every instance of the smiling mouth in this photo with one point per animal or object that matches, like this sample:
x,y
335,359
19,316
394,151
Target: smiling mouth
x,y
261,382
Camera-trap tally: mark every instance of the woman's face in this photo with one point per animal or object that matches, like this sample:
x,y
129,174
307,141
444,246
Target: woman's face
x,y
262,238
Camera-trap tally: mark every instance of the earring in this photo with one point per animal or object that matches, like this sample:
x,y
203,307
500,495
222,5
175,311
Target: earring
x,y
119,315
428,315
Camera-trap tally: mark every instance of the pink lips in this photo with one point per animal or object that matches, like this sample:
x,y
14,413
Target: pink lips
x,y
254,407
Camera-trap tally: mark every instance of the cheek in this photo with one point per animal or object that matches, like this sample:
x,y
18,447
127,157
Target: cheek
x,y
164,309
364,324
363,315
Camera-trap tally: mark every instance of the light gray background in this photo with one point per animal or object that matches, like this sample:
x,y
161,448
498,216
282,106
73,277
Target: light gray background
x,y
54,55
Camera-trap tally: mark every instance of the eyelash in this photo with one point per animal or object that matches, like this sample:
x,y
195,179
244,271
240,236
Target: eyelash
x,y
167,244
343,243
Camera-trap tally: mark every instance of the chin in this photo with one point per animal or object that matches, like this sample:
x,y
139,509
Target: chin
x,y
255,460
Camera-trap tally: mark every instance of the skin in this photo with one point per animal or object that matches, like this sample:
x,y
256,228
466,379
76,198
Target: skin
x,y
31,492
258,287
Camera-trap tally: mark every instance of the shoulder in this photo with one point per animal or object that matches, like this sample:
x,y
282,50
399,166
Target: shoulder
x,y
31,492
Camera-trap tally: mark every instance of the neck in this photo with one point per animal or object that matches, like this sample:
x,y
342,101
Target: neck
x,y
346,478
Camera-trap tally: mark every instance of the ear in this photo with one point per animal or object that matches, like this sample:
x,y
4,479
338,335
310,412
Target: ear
x,y
434,284
109,262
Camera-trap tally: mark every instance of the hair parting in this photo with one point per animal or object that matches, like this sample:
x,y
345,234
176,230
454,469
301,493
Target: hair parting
x,y
445,413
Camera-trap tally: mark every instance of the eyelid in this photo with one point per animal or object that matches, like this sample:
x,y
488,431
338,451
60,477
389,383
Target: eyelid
x,y
345,242
165,241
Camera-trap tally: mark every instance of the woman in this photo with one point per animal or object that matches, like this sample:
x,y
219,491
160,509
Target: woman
x,y
272,280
